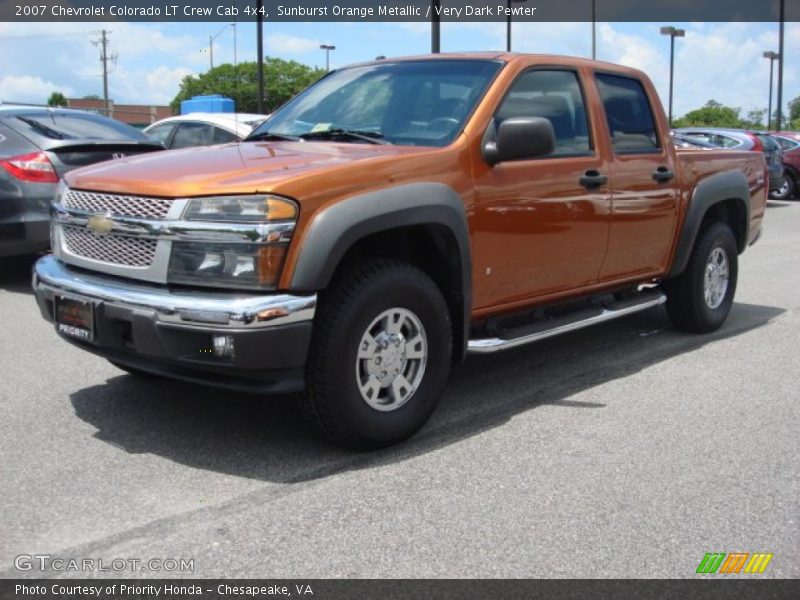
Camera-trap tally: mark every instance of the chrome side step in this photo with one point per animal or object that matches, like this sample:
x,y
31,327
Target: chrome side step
x,y
554,327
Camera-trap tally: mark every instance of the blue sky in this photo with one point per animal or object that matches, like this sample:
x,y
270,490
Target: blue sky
x,y
716,60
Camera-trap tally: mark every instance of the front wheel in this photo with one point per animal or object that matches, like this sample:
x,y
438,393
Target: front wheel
x,y
700,299
380,355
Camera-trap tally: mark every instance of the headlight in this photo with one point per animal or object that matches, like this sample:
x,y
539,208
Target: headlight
x,y
227,265
246,265
241,209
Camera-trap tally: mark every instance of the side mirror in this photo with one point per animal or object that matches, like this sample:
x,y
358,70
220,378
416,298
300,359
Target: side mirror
x,y
518,138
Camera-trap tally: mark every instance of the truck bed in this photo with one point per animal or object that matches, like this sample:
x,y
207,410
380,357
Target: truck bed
x,y
696,165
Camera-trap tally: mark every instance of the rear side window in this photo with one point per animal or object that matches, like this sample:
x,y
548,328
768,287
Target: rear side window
x,y
223,136
192,134
630,118
161,133
787,144
556,96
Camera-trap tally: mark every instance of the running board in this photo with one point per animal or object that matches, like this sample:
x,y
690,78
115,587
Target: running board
x,y
553,327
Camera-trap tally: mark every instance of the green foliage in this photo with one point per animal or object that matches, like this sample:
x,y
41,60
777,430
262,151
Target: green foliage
x,y
756,119
794,112
283,79
57,99
92,97
713,114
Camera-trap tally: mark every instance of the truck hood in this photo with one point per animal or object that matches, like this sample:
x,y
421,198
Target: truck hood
x,y
235,168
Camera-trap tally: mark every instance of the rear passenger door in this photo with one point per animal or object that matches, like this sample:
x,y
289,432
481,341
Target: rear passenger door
x,y
540,225
644,182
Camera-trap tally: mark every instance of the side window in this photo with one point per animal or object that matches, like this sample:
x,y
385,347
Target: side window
x,y
554,95
787,144
630,118
161,133
223,136
192,134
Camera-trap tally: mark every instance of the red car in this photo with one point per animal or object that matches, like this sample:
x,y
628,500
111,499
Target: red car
x,y
790,142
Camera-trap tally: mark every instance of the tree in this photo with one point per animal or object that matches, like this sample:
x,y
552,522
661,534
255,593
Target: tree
x,y
794,114
713,114
283,79
755,119
92,97
57,99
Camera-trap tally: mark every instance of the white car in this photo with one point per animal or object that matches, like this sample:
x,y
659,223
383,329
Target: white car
x,y
203,129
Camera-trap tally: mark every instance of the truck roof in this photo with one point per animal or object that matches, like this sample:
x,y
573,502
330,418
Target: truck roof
x,y
549,59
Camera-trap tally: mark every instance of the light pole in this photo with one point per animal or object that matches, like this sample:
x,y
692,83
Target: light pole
x,y
672,32
772,56
436,27
327,49
508,22
211,39
260,51
594,29
781,54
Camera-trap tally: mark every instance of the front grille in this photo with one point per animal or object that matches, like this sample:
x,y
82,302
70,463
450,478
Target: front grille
x,y
116,205
116,249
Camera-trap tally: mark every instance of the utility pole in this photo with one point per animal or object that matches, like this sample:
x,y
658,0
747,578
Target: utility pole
x,y
594,29
102,43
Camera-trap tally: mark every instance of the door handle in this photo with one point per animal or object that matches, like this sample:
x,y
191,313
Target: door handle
x,y
663,175
592,179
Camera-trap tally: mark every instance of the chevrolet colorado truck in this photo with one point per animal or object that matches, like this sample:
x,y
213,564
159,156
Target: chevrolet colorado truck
x,y
395,217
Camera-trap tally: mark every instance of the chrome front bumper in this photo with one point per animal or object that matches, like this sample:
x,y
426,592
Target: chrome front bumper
x,y
51,277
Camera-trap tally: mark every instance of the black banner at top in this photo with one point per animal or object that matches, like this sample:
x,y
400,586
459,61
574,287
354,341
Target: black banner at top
x,y
400,10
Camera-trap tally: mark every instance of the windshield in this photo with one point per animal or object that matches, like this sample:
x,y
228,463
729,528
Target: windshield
x,y
414,103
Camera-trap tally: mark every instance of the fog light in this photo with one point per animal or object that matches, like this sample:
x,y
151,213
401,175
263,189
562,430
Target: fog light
x,y
223,346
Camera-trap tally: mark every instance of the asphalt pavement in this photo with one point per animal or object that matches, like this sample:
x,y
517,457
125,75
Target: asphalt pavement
x,y
627,450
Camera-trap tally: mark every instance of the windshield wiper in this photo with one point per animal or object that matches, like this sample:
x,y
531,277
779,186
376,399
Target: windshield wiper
x,y
271,135
372,137
43,129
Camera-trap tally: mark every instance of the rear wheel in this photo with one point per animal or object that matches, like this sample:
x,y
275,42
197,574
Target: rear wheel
x,y
380,355
788,190
700,299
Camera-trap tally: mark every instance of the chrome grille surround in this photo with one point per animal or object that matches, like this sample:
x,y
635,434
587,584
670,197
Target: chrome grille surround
x,y
115,249
117,205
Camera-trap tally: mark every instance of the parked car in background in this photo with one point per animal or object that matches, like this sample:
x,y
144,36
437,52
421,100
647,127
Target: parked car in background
x,y
688,142
204,129
790,143
741,139
38,145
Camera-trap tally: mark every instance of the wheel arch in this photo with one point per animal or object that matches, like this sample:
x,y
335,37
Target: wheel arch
x,y
723,197
422,223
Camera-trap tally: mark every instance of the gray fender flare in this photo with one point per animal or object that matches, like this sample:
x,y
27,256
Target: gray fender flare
x,y
334,230
729,185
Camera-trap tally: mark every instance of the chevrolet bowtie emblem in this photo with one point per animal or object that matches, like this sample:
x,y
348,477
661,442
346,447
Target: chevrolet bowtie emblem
x,y
100,224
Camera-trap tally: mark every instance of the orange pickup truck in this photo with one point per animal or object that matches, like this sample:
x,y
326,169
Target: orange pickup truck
x,y
391,219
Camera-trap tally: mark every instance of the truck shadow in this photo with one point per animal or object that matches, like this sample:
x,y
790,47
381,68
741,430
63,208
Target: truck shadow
x,y
15,273
265,439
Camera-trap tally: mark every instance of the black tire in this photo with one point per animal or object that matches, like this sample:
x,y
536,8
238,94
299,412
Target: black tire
x,y
333,400
686,303
789,191
134,371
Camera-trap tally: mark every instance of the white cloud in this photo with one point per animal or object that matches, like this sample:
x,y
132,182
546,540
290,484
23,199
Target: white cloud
x,y
26,88
290,44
